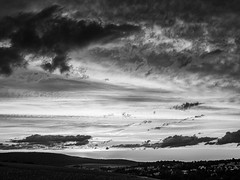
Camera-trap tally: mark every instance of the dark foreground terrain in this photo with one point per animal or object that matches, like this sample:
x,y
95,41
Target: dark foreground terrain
x,y
44,166
21,166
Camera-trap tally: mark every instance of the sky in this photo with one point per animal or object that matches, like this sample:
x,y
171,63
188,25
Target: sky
x,y
117,64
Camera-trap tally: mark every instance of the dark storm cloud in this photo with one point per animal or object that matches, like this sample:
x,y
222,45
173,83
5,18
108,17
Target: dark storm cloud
x,y
178,141
230,137
57,62
52,139
9,57
48,33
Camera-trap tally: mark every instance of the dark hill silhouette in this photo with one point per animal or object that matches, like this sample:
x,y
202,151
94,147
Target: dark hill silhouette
x,y
52,159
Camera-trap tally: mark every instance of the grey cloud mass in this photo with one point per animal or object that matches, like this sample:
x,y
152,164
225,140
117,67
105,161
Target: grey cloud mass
x,y
48,33
173,37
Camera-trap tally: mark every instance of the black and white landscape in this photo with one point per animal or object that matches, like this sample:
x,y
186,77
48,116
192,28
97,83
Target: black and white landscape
x,y
143,80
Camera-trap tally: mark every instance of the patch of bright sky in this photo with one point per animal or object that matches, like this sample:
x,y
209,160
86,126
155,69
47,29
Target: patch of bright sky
x,y
6,43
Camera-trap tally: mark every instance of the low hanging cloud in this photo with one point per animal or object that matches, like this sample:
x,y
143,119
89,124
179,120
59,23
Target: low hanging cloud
x,y
50,34
38,141
51,139
46,141
230,137
181,141
178,141
171,141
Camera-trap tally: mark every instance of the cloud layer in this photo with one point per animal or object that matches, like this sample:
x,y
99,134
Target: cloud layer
x,y
46,141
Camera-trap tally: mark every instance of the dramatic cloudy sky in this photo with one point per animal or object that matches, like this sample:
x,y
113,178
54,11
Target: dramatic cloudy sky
x,y
176,34
123,61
